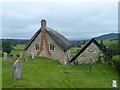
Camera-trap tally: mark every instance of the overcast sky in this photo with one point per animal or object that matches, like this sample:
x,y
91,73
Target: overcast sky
x,y
73,19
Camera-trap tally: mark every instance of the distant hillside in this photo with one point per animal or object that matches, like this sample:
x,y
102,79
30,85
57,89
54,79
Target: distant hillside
x,y
14,42
108,36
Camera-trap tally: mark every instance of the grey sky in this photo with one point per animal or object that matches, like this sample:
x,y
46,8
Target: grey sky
x,y
75,20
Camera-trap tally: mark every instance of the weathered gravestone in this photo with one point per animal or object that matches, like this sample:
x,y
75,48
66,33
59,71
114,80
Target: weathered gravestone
x,y
5,56
32,54
21,55
26,58
14,55
14,59
17,70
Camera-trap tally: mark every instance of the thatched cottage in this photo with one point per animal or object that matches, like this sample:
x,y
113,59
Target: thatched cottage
x,y
47,42
89,53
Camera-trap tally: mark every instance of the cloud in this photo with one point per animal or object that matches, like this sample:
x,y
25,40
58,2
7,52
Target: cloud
x,y
75,20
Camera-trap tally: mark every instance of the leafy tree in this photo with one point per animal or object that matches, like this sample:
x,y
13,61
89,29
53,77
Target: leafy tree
x,y
113,49
6,46
101,42
103,46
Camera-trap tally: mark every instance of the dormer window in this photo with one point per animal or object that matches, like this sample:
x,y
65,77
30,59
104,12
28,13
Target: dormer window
x,y
51,47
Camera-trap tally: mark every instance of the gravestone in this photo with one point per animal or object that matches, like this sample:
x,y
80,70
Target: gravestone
x,y
32,54
17,70
21,55
65,62
26,58
14,59
14,55
5,56
28,54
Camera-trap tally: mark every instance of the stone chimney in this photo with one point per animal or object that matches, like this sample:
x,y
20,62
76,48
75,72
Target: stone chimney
x,y
43,24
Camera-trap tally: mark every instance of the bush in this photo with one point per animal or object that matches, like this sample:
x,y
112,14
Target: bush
x,y
6,47
116,58
116,62
113,49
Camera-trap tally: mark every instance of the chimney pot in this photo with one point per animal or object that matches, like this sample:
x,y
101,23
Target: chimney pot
x,y
43,23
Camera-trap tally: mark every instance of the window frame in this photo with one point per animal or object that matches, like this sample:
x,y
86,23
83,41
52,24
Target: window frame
x,y
37,47
51,47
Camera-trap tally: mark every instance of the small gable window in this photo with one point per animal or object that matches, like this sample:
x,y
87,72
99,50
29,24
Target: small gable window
x,y
51,47
37,47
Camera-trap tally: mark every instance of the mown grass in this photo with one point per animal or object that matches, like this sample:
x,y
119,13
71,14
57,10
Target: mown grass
x,y
48,73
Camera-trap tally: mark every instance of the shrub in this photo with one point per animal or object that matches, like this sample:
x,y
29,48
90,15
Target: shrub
x,y
6,47
116,62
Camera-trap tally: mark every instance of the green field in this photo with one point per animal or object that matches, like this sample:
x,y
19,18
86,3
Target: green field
x,y
18,48
74,50
108,42
48,73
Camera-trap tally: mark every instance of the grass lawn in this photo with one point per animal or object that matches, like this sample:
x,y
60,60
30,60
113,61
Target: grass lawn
x,y
48,73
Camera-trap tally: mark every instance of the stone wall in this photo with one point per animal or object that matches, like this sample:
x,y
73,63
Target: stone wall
x,y
57,54
91,53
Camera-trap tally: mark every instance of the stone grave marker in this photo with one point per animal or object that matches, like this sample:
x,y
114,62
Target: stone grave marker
x,y
26,58
14,55
14,59
32,54
17,70
65,62
5,56
28,54
21,55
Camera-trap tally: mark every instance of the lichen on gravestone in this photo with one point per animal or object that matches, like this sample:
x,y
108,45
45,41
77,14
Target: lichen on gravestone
x,y
32,55
21,55
17,70
5,56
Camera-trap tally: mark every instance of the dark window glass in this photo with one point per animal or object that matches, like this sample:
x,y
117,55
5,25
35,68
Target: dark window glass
x,y
52,47
37,47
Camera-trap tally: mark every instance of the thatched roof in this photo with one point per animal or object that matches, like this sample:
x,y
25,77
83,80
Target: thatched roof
x,y
63,43
82,50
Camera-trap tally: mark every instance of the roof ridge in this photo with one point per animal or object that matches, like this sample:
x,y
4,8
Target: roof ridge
x,y
57,37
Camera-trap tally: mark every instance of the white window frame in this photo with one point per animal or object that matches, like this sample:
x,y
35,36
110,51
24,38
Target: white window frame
x,y
35,47
50,48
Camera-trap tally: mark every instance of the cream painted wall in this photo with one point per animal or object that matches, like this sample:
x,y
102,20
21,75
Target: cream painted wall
x,y
57,54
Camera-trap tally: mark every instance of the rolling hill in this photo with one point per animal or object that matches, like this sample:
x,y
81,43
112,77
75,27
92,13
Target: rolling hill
x,y
108,36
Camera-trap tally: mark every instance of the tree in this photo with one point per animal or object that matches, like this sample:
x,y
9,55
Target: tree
x,y
113,50
103,46
6,47
101,42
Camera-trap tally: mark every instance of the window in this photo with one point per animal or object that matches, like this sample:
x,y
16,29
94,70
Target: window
x,y
37,47
51,47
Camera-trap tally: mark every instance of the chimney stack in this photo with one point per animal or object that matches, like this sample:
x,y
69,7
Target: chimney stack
x,y
43,24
